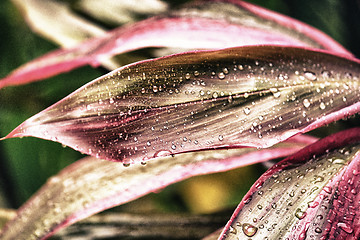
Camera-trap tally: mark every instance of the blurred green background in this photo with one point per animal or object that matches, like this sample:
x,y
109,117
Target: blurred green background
x,y
26,163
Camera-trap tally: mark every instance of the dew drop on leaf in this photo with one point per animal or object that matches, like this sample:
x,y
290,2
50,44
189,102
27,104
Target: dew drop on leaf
x,y
300,214
221,75
322,106
345,227
276,93
310,75
249,229
232,230
306,103
162,153
247,111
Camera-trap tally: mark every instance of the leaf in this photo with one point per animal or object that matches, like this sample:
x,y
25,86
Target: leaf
x,y
312,194
194,26
90,185
55,21
239,97
170,226
117,13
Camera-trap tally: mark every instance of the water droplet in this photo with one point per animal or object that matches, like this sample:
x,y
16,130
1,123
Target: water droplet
x,y
215,95
310,75
143,163
322,106
246,95
143,90
232,230
306,103
225,70
344,226
318,230
276,93
148,143
173,147
249,230
300,214
221,137
162,153
318,179
155,89
221,75
111,101
247,111
187,76
126,164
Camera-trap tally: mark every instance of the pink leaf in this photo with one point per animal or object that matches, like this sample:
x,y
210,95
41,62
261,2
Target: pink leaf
x,y
313,193
90,185
203,26
239,97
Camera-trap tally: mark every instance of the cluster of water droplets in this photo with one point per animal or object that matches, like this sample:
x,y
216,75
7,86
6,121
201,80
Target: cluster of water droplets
x,y
282,202
149,113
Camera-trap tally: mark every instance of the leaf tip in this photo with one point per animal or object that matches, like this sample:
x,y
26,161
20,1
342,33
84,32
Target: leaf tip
x,y
17,132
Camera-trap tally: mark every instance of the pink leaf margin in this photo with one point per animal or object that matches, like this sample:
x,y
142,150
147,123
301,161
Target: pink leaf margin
x,y
189,32
147,185
336,140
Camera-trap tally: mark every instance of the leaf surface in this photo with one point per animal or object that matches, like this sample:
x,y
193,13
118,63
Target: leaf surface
x,y
310,195
44,18
90,185
209,25
239,97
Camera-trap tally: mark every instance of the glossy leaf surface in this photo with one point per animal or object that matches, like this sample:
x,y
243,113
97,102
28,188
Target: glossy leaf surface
x,y
209,25
240,97
311,195
90,185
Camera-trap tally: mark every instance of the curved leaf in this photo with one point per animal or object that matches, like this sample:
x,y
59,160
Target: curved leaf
x,y
56,22
89,185
195,26
312,194
250,96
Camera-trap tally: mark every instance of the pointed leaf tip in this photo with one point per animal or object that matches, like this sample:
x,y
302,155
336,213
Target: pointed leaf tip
x,y
89,185
248,96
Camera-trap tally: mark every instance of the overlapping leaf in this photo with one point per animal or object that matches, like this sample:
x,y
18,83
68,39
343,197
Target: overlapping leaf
x,y
90,185
239,97
56,22
210,24
311,195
